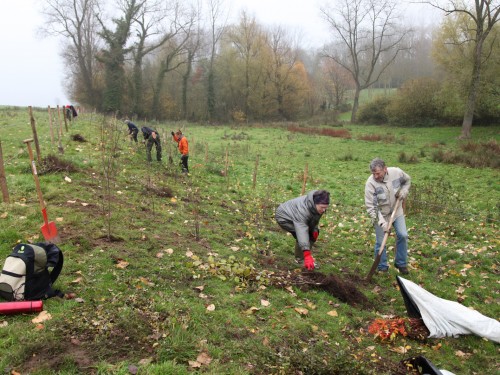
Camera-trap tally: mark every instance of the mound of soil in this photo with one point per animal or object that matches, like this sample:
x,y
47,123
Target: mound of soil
x,y
52,164
78,138
344,290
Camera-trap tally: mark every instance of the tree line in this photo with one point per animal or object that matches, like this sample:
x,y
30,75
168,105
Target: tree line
x,y
183,60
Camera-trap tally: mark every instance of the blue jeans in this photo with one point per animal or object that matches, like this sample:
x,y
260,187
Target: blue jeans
x,y
399,226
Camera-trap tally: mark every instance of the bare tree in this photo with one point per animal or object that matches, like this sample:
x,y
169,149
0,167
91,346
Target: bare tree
x,y
217,23
369,39
76,21
247,39
336,82
150,23
484,15
283,60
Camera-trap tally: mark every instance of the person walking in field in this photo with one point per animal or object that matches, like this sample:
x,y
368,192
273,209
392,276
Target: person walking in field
x,y
382,189
300,217
133,130
183,146
151,137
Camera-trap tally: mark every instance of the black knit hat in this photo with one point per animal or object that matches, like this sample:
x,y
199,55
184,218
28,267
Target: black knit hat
x,y
321,197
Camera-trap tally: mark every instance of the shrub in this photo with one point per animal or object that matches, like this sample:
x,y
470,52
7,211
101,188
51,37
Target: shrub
x,y
417,104
475,155
410,159
374,112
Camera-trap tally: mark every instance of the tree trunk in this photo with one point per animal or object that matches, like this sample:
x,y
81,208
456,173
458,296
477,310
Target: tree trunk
x,y
355,104
471,99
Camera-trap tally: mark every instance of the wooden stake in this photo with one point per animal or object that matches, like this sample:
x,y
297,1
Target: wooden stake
x,y
227,164
65,121
50,125
255,171
3,180
59,131
35,136
305,180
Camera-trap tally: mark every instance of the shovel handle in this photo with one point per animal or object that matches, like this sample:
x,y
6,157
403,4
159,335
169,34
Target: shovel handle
x,y
35,174
384,241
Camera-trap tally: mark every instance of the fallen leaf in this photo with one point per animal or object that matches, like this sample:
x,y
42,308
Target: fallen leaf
x,y
204,358
4,215
173,200
189,254
132,369
71,202
437,347
251,310
122,264
77,280
311,305
59,219
42,317
84,204
4,324
194,364
235,248
461,354
160,255
264,302
79,300
301,310
169,251
401,349
67,179
199,288
333,313
211,307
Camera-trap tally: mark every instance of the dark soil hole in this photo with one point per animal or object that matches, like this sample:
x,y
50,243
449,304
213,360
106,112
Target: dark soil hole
x,y
164,192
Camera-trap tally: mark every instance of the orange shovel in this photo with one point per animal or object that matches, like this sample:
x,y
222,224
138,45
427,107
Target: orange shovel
x,y
49,229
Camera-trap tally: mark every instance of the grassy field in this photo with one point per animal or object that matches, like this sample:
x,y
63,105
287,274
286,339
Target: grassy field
x,y
177,274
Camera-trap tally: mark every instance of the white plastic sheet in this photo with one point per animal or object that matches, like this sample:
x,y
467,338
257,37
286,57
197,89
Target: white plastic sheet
x,y
444,318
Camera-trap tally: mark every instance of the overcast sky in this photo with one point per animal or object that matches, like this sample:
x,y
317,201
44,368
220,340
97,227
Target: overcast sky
x,y
31,70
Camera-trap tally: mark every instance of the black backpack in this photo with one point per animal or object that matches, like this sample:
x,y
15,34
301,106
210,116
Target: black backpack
x,y
26,273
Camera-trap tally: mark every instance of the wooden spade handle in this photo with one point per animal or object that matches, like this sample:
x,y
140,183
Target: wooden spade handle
x,y
35,175
384,241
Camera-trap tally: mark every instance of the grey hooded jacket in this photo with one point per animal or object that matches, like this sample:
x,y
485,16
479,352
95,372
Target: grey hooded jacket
x,y
299,216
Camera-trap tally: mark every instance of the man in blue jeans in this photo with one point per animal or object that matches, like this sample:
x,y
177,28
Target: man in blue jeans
x,y
382,189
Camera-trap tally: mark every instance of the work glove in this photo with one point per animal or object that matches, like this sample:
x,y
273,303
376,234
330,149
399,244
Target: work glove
x,y
315,235
384,225
308,260
400,194
172,133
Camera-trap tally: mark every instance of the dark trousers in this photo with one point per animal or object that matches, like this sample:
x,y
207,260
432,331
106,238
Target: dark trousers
x,y
134,134
184,161
149,145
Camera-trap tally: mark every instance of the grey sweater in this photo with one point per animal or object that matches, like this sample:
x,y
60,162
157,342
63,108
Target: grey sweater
x,y
381,196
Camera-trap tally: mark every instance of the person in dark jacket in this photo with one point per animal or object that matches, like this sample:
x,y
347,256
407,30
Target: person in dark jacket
x,y
151,137
133,130
300,217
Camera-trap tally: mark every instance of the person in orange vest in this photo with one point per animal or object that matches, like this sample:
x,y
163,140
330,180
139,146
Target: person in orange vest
x,y
183,149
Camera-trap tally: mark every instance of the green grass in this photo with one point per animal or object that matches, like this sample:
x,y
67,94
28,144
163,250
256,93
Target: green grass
x,y
214,242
